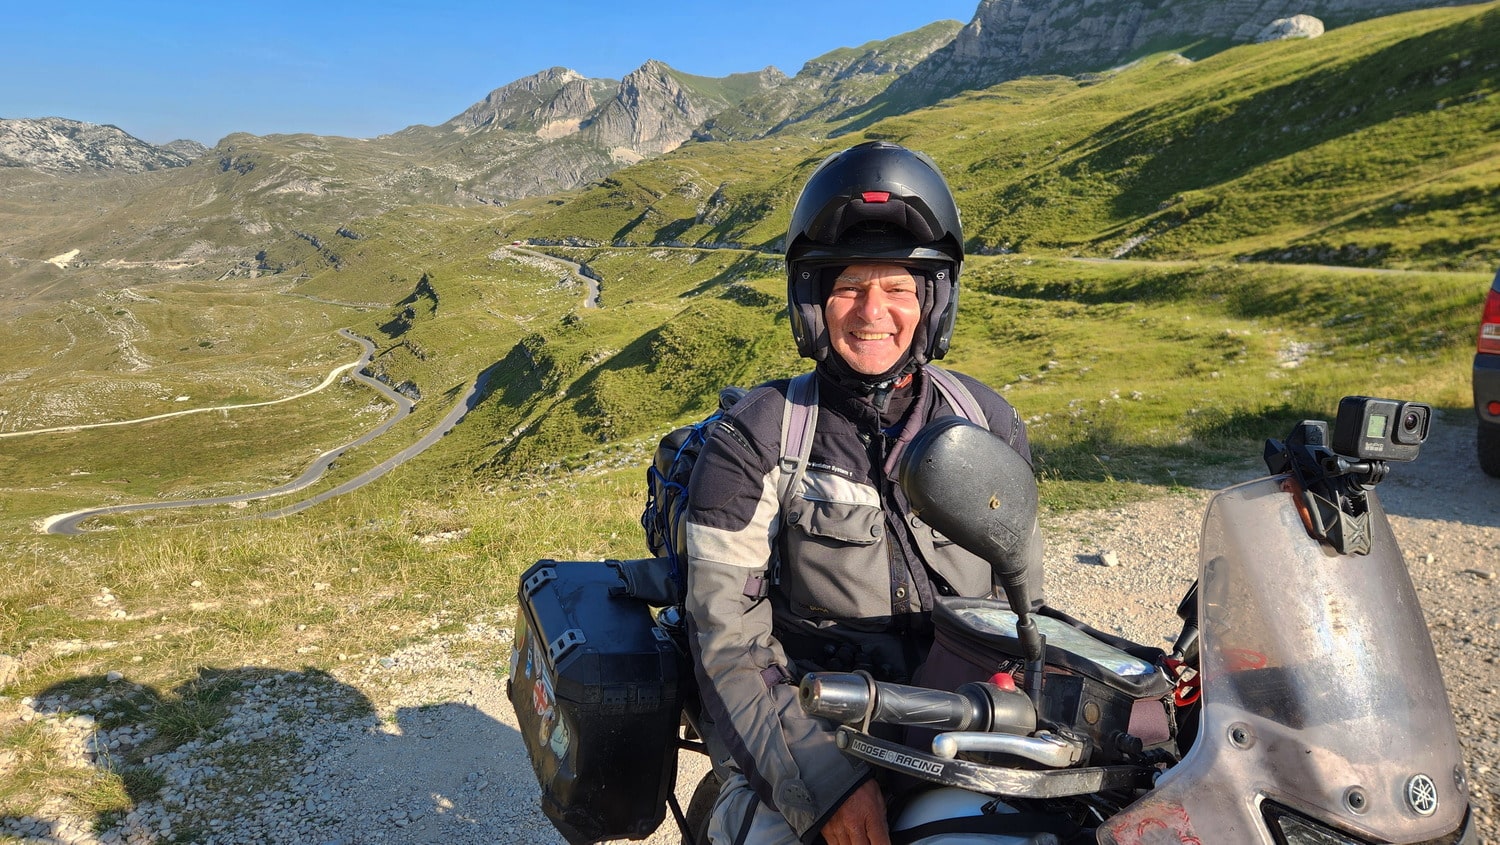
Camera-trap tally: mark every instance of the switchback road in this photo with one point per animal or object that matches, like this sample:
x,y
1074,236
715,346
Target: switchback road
x,y
68,523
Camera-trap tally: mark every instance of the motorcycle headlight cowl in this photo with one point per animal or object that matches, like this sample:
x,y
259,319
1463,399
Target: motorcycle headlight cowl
x,y
1292,828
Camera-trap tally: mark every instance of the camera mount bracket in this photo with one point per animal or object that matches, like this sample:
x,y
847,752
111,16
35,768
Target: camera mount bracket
x,y
1331,489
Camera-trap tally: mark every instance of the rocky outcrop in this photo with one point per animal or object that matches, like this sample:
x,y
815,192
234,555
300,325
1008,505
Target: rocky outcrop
x,y
1296,26
536,104
184,147
557,129
1008,39
656,109
56,145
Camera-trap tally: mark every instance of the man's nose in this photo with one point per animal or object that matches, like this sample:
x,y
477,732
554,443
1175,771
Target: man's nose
x,y
872,303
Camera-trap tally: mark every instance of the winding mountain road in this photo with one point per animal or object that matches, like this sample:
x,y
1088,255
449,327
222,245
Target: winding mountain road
x,y
591,284
69,523
460,408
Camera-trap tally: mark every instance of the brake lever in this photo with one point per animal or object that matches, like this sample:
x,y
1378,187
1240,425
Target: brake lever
x,y
1045,747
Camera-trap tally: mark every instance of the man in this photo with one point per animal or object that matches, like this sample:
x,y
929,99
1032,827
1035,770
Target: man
x,y
835,573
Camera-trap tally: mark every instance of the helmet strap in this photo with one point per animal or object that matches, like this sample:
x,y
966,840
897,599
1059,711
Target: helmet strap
x,y
838,371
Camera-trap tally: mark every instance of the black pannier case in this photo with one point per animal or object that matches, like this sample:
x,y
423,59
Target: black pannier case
x,y
595,686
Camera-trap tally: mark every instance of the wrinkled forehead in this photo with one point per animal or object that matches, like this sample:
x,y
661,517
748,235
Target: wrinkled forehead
x,y
876,272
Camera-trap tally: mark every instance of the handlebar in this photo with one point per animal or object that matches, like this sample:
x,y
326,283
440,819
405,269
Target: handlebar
x,y
850,697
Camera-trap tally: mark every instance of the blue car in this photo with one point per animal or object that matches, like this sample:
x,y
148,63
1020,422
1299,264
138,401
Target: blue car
x,y
1487,383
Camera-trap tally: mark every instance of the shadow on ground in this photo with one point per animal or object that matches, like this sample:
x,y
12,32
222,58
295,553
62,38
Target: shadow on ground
x,y
272,756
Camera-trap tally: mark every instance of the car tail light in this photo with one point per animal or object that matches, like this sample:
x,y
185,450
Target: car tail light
x,y
1489,328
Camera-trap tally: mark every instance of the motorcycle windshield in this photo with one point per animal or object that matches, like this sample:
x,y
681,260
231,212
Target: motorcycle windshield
x,y
1321,693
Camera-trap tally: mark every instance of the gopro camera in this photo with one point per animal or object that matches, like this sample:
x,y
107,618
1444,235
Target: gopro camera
x,y
1369,429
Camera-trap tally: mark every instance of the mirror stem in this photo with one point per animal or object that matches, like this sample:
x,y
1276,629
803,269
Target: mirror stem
x,y
1034,643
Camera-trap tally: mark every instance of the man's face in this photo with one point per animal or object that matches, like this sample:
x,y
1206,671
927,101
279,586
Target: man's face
x,y
872,313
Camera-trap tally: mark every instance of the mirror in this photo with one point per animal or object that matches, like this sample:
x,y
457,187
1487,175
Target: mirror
x,y
974,488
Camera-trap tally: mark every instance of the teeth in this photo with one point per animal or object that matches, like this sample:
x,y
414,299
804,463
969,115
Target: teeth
x,y
871,335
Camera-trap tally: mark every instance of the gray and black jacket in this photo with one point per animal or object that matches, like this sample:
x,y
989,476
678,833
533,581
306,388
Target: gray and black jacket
x,y
843,577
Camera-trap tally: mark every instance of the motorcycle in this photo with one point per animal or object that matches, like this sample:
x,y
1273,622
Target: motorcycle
x,y
1306,692
1302,703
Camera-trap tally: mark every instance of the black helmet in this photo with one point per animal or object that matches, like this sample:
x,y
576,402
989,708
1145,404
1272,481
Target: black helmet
x,y
875,202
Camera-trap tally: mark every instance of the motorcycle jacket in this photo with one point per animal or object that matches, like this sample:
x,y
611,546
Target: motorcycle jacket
x,y
840,576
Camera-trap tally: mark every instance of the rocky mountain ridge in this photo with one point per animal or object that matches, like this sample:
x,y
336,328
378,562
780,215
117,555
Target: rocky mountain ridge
x,y
1008,39
557,129
828,88
653,110
542,103
656,109
59,145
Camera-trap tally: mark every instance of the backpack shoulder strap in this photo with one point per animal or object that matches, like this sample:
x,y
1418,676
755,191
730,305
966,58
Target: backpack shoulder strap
x,y
957,394
799,421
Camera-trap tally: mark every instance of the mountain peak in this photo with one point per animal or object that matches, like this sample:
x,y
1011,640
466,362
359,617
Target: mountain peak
x,y
534,103
653,66
657,108
59,145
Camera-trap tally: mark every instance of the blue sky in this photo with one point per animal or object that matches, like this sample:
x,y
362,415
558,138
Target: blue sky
x,y
167,70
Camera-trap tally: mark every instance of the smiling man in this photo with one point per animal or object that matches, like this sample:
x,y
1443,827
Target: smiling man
x,y
813,561
872,311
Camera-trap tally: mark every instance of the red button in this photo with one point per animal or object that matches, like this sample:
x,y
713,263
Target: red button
x,y
1004,681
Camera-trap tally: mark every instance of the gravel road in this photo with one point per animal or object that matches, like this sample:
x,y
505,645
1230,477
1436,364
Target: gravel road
x,y
422,746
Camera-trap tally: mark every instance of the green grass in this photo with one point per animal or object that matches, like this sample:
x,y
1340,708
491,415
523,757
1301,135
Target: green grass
x,y
132,353
1131,374
133,350
199,456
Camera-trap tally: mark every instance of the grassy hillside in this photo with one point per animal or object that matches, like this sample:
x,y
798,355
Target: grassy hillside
x,y
1367,147
1338,149
711,194
733,88
1161,367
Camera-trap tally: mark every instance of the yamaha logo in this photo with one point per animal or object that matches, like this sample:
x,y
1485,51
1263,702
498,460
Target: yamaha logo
x,y
1422,795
